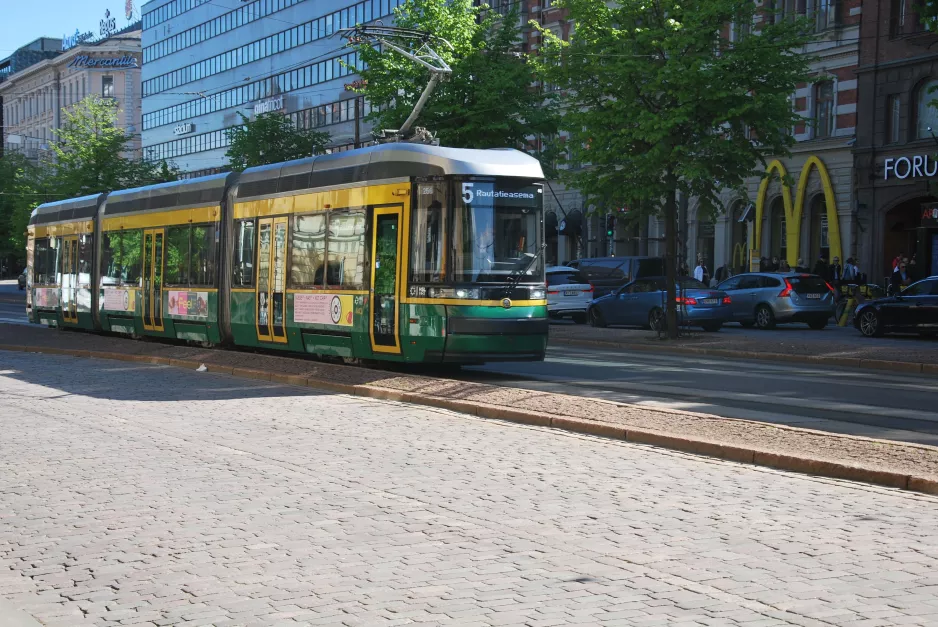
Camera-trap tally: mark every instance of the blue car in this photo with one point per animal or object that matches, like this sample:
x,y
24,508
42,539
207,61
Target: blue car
x,y
642,303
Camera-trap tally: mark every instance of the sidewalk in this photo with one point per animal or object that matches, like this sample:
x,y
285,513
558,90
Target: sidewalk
x,y
882,462
837,346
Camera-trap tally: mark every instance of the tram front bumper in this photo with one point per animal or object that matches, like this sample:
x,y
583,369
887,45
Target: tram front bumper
x,y
480,339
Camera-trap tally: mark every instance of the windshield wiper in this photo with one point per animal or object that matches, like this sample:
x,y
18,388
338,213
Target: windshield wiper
x,y
515,277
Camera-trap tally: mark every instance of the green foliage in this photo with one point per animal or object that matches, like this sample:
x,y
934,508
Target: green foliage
x,y
487,101
91,154
658,102
20,191
928,13
272,138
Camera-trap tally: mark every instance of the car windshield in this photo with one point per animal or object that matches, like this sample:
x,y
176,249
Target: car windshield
x,y
497,232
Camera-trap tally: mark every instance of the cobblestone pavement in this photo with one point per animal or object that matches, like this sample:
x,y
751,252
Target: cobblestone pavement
x,y
149,495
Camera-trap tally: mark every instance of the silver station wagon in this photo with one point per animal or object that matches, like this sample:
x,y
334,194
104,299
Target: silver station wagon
x,y
765,299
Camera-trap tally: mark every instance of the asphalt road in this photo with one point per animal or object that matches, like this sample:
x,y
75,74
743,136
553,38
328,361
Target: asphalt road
x,y
840,400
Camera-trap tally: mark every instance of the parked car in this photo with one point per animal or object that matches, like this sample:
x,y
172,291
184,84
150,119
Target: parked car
x,y
642,303
913,310
21,280
568,294
607,274
765,299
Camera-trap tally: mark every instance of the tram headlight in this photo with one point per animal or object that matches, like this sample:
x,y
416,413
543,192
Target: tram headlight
x,y
538,294
464,292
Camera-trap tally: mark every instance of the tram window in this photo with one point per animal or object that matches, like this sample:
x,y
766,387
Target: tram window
x,y
428,247
202,265
131,256
110,258
44,262
346,246
243,266
84,259
177,256
308,251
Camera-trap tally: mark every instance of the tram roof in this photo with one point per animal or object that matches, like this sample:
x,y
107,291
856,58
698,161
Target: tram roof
x,y
385,161
205,190
71,209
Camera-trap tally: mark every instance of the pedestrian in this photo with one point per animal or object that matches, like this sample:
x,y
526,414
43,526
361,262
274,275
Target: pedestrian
x,y
896,261
851,271
800,267
723,273
701,273
784,267
900,278
821,268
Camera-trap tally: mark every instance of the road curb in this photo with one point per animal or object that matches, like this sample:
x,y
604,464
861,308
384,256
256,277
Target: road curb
x,y
814,360
698,446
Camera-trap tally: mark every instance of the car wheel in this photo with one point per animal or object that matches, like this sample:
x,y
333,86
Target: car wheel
x,y
712,327
596,318
579,318
657,320
870,326
818,324
765,319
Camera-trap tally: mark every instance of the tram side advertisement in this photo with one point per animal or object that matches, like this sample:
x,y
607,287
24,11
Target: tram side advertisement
x,y
331,309
191,304
117,299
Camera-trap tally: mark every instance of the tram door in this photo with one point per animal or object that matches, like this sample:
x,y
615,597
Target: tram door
x,y
153,245
385,280
270,298
70,279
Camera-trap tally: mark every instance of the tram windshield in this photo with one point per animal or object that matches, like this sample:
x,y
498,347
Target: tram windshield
x,y
497,232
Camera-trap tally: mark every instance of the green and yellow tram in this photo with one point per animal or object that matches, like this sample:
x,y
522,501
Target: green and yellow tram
x,y
402,252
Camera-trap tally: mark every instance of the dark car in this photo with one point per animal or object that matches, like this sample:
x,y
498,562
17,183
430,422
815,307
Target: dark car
x,y
21,280
642,303
913,310
607,274
765,299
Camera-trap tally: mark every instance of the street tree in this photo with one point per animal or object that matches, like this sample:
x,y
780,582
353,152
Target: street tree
x,y
658,101
272,138
486,102
92,154
20,190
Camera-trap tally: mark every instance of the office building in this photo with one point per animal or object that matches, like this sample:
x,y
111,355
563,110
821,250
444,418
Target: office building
x,y
206,64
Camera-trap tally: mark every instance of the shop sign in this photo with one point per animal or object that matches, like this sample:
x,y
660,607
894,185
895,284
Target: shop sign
x,y
332,309
192,304
70,41
104,63
108,24
910,167
266,106
117,299
184,129
930,214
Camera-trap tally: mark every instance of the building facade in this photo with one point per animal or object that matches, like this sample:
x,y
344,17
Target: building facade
x,y
896,138
34,98
206,64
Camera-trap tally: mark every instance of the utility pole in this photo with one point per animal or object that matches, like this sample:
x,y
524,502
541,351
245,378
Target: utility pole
x,y
358,125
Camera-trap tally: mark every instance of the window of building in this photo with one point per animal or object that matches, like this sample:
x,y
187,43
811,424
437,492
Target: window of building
x,y
826,13
926,115
893,118
897,17
107,86
823,109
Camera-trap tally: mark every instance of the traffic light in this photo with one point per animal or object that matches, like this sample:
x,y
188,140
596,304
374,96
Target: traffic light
x,y
610,225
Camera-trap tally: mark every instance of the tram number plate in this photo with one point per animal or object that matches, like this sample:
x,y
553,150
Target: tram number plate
x,y
710,301
570,292
814,296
